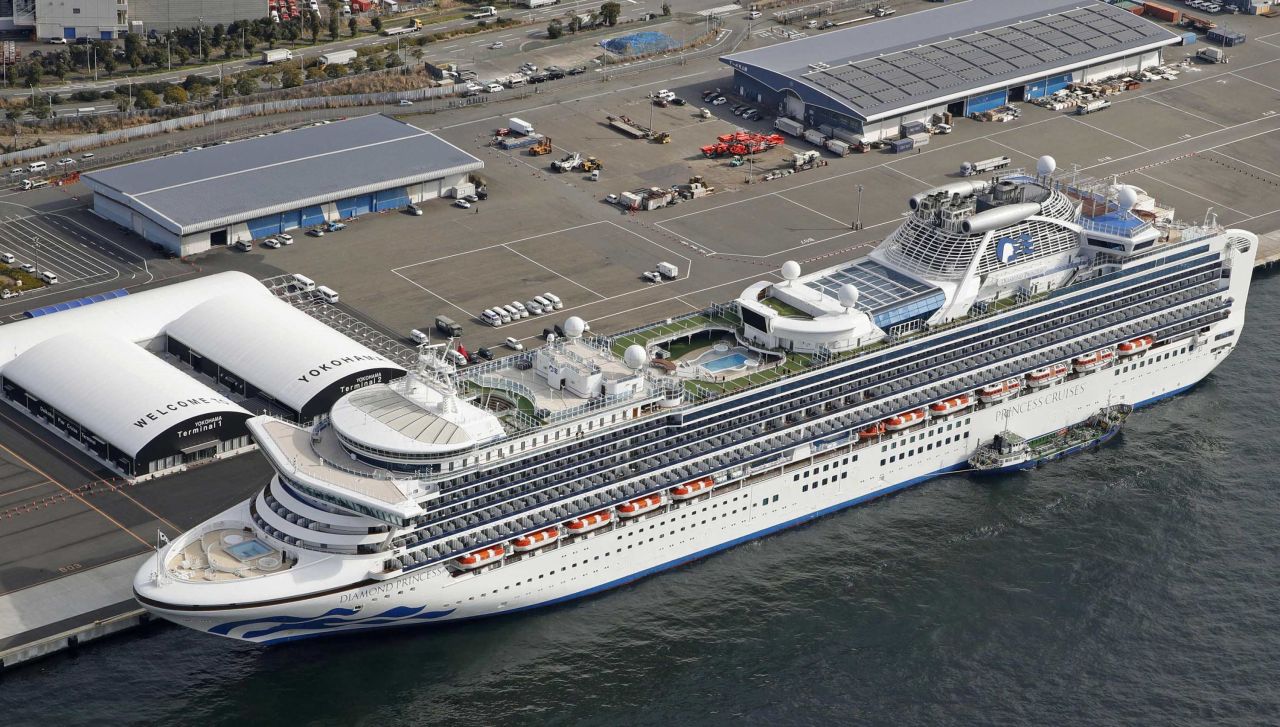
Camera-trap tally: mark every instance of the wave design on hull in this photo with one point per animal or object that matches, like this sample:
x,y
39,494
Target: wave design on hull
x,y
331,619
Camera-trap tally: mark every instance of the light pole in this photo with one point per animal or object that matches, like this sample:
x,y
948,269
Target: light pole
x,y
857,225
35,245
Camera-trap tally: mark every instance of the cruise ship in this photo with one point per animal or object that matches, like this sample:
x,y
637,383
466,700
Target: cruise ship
x,y
1021,304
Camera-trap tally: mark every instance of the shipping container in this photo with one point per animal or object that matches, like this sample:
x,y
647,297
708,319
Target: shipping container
x,y
789,126
847,135
337,58
912,128
897,146
815,137
1189,38
838,147
1161,12
520,126
920,139
1224,38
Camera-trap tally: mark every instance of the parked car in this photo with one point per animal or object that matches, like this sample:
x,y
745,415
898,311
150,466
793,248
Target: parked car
x,y
719,101
577,70
285,237
87,155
493,87
413,209
336,226
611,198
496,45
27,268
66,162
484,353
514,345
316,232
405,102
272,243
243,245
651,276
471,198
677,101
7,258
462,203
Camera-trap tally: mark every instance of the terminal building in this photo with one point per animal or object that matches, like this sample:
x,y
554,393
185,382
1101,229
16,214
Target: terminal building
x,y
960,58
151,381
127,407
254,188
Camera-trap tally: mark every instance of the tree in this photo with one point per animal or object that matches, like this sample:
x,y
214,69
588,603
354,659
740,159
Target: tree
x,y
377,23
228,49
246,85
314,19
291,78
146,99
314,73
555,29
335,70
219,34
335,26
175,95
609,13
353,25
34,72
666,9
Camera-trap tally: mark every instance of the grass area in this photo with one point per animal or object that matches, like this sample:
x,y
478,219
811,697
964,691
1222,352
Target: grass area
x,y
786,309
662,331
15,279
522,402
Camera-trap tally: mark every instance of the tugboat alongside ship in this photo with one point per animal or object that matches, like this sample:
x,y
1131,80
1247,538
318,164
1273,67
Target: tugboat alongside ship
x,y
1010,452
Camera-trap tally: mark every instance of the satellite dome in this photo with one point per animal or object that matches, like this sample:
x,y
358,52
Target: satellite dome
x,y
1045,165
574,326
1127,197
848,295
790,270
635,356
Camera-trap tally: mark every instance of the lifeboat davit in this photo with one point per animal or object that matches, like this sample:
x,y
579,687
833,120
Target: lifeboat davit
x,y
641,505
955,403
535,540
484,556
904,420
1047,375
872,431
1093,361
692,489
587,523
1137,345
999,392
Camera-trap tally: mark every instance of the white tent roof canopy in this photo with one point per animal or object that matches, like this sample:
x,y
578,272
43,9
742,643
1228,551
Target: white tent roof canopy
x,y
108,385
274,346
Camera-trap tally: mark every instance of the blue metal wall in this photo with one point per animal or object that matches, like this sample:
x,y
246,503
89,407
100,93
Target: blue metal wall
x,y
389,199
264,226
1059,82
312,215
354,206
986,101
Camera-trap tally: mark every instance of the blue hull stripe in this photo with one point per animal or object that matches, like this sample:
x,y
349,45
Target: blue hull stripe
x,y
729,543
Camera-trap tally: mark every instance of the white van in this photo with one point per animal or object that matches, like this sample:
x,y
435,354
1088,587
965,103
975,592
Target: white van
x,y
541,300
37,166
327,294
491,318
419,336
303,283
555,301
503,315
456,357
524,312
515,314
50,278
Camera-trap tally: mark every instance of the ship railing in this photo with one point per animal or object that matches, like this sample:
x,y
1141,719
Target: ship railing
x,y
763,461
1110,228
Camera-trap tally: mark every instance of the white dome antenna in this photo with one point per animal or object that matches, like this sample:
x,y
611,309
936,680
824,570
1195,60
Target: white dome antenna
x,y
574,326
790,271
1127,197
1046,165
848,296
635,356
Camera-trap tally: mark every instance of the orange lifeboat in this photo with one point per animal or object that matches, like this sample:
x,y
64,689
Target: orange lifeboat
x,y
904,420
1047,375
1137,345
484,556
692,489
999,392
535,540
872,431
955,403
1093,361
641,505
587,523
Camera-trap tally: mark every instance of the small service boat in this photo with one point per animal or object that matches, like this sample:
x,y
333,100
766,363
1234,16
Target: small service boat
x,y
992,393
484,556
641,505
1137,345
1047,375
1008,452
532,541
692,489
587,523
1093,361
954,404
904,420
872,431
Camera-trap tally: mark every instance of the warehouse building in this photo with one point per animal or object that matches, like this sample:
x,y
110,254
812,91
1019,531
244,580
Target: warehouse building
x,y
254,188
275,352
960,58
107,19
132,411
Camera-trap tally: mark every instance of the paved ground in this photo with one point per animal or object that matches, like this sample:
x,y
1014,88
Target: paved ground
x,y
1210,139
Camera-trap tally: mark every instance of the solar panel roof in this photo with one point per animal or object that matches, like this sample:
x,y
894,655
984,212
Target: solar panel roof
x,y
878,287
235,182
946,52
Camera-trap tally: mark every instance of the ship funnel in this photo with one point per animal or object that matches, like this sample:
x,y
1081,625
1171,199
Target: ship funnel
x,y
1002,216
962,188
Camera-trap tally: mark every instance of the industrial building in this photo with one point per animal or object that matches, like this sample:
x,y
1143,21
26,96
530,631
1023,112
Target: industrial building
x,y
128,408
107,19
254,188
151,381
960,58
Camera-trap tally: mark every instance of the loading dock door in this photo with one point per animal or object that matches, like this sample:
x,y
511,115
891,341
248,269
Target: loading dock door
x,y
290,220
355,206
794,107
986,102
218,237
264,226
312,215
389,199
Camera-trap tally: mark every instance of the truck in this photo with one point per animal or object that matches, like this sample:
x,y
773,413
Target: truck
x,y
276,55
1211,55
968,169
487,11
667,270
838,147
337,57
535,3
414,26
568,164
520,126
448,327
519,142
815,137
789,126
1092,105
627,127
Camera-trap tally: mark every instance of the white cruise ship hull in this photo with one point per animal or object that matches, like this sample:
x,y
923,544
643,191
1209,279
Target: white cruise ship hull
x,y
808,488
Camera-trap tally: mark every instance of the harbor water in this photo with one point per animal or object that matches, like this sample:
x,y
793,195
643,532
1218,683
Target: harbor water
x,y
1132,585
